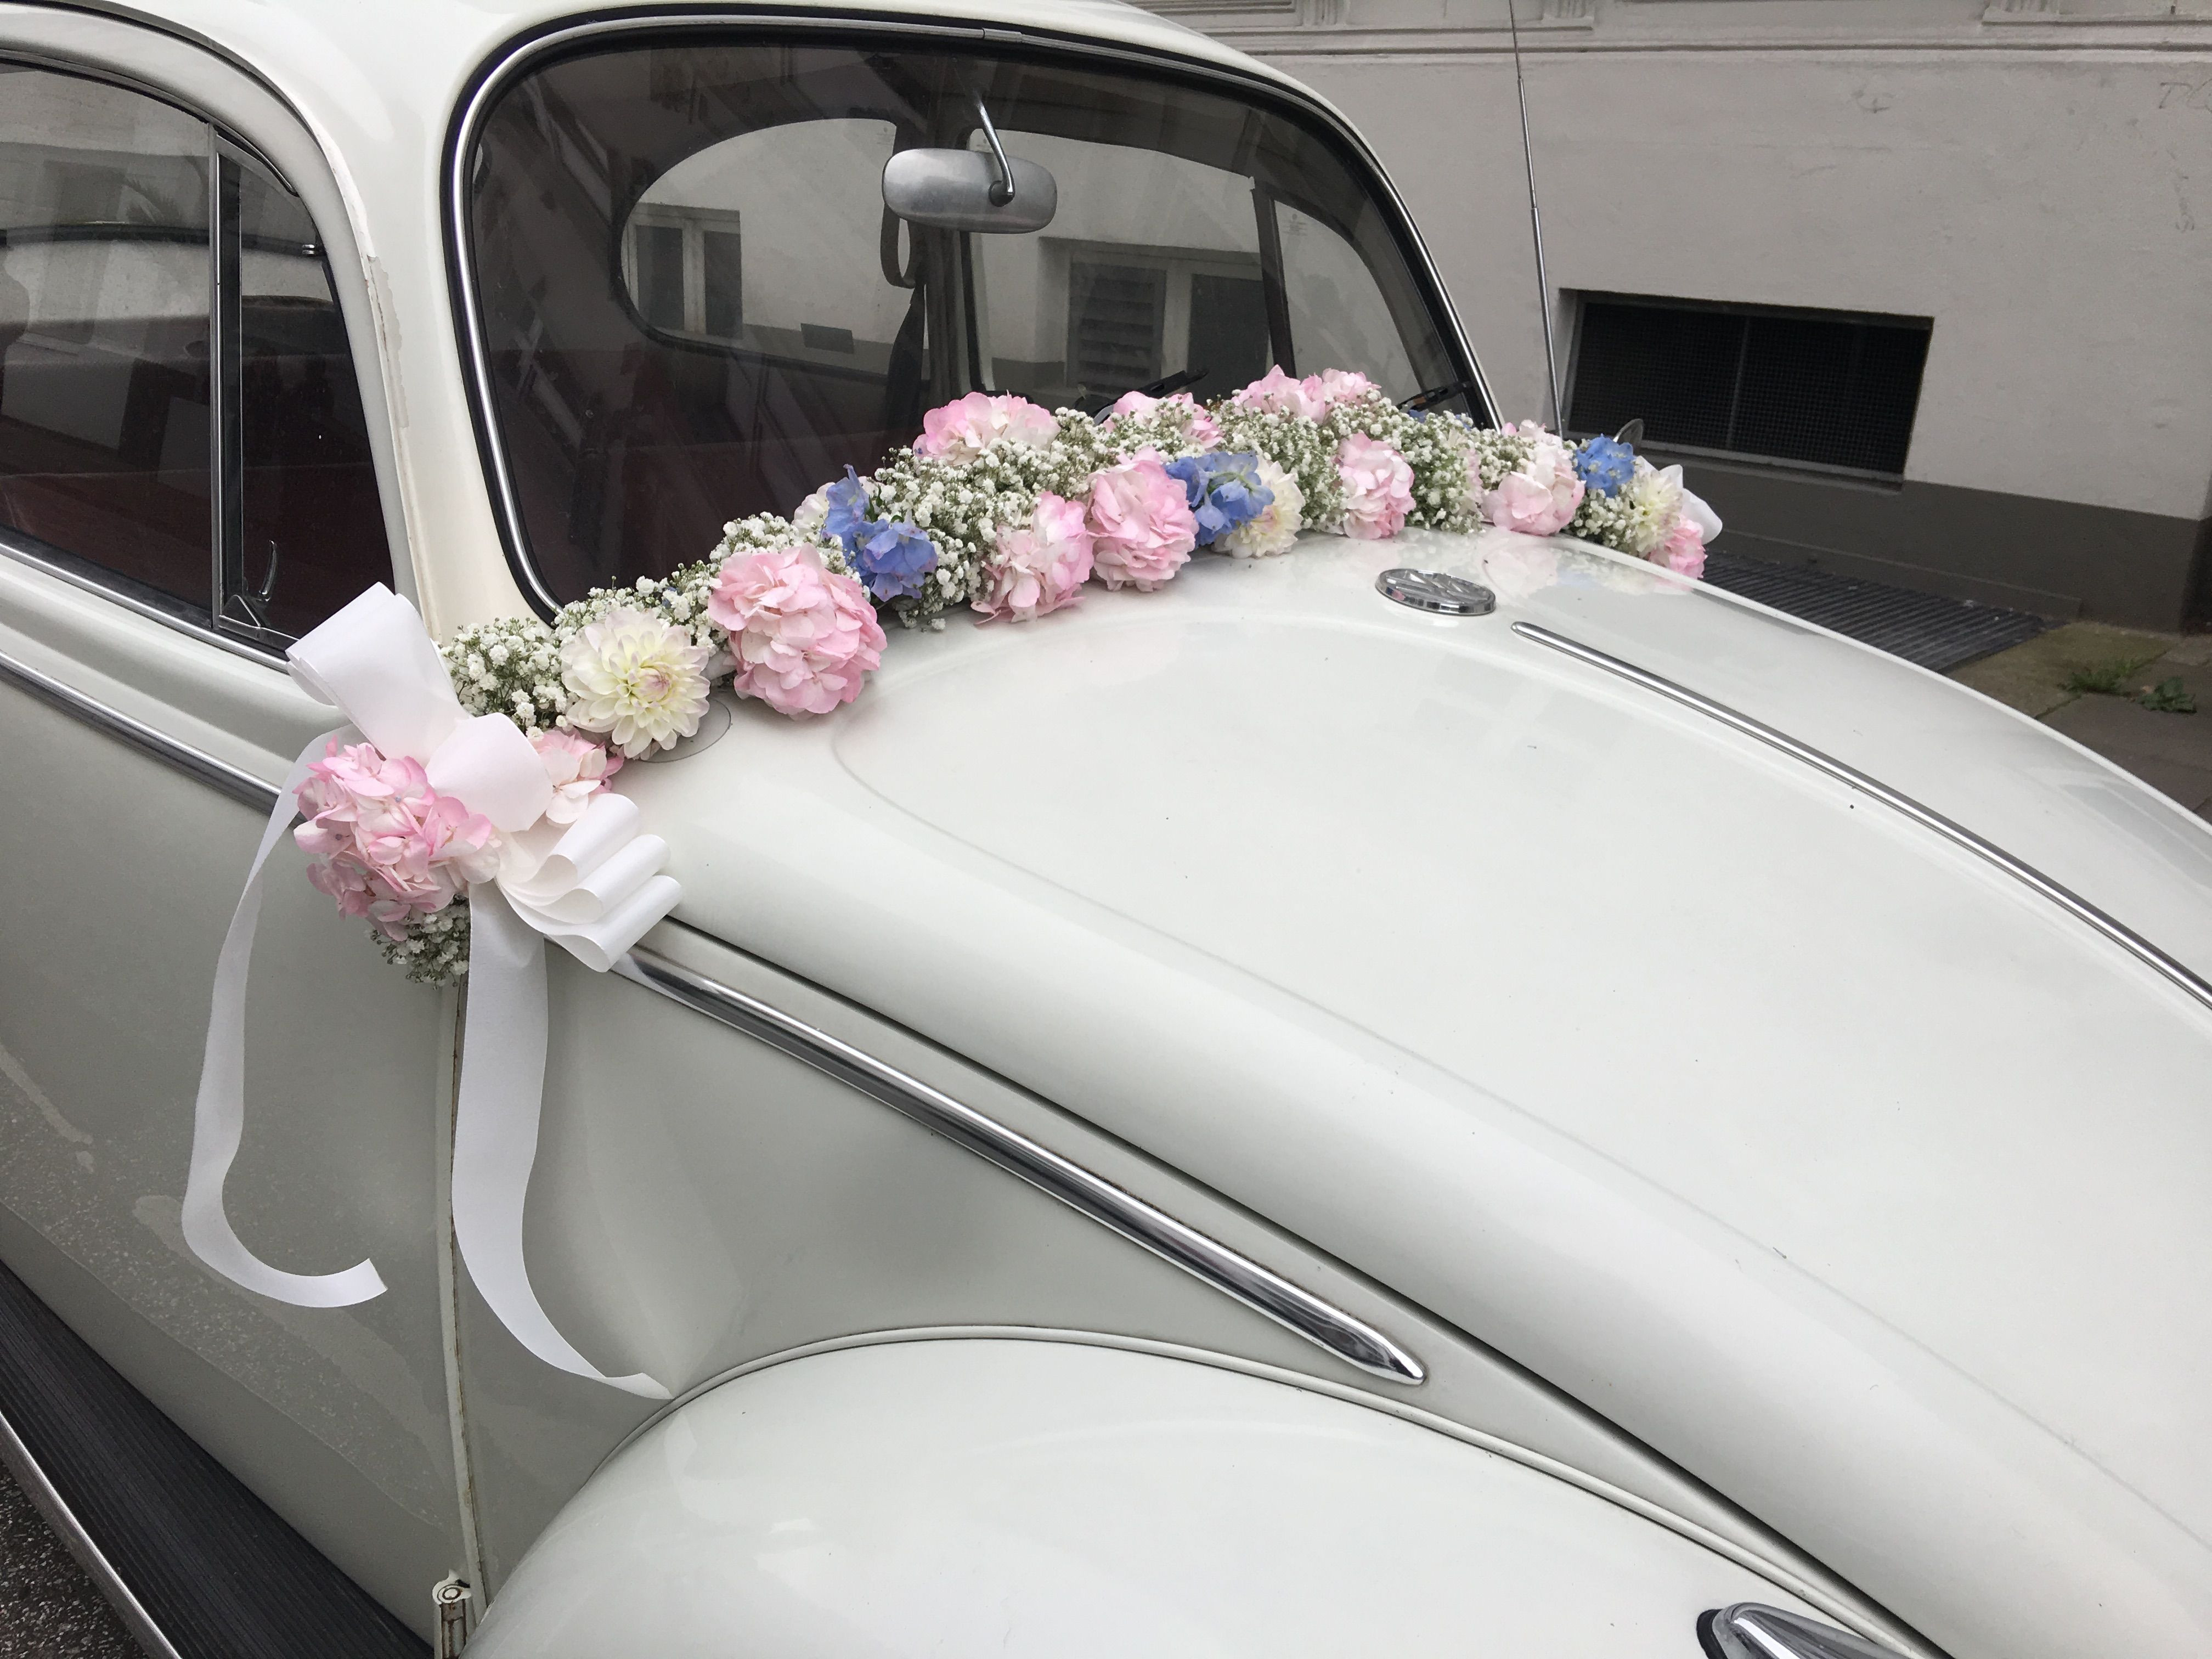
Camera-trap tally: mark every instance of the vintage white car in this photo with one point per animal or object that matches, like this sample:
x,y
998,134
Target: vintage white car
x,y
1454,1094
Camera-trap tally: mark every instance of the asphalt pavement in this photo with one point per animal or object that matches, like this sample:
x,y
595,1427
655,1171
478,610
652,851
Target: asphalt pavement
x,y
48,1608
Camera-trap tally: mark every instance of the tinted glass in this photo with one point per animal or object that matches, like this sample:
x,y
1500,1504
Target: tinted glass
x,y
695,305
312,526
104,305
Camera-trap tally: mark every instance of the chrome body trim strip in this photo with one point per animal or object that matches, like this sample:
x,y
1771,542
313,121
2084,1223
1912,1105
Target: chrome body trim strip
x,y
220,775
2026,874
498,71
1204,1258
55,1508
267,656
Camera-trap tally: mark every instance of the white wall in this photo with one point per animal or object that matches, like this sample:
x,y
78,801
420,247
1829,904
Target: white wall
x,y
2037,177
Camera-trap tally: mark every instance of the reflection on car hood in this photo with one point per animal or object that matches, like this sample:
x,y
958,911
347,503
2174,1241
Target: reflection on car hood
x,y
1858,1178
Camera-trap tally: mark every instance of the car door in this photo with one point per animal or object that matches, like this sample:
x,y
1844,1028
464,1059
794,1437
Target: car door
x,y
193,470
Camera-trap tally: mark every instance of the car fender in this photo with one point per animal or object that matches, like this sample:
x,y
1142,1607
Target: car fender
x,y
1063,1497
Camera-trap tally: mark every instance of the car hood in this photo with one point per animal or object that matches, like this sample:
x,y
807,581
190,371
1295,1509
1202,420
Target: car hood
x,y
1837,1163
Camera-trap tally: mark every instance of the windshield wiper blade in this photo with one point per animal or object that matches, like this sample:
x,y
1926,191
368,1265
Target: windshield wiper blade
x,y
1171,383
1160,388
1435,394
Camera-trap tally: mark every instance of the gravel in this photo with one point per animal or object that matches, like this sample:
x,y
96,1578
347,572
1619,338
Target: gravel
x,y
48,1608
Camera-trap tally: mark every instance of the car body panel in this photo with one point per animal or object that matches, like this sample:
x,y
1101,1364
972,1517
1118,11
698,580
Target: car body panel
x,y
702,1204
121,875
1046,1498
1255,872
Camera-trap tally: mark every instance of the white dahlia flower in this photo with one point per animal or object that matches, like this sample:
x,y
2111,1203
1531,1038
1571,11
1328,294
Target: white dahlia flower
x,y
641,680
1655,502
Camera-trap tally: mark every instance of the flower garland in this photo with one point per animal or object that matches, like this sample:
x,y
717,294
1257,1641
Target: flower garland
x,y
999,504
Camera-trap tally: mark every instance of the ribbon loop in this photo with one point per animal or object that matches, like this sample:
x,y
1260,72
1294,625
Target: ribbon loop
x,y
594,888
487,762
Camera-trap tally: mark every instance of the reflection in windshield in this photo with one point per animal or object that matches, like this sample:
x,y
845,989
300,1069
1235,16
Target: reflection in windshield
x,y
696,306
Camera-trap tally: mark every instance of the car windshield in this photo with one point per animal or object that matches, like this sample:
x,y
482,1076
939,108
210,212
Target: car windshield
x,y
694,303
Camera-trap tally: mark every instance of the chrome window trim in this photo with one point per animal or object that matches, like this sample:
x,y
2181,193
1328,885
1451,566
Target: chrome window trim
x,y
504,66
219,775
1204,1258
55,1508
11,545
1927,816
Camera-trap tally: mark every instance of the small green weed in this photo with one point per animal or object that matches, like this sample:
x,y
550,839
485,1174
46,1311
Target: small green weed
x,y
2110,678
2169,697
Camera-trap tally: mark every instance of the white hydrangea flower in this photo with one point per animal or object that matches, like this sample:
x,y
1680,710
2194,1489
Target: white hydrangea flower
x,y
639,679
1276,528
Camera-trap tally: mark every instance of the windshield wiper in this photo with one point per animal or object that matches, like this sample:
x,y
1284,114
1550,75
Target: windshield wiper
x,y
1160,388
1435,394
1171,383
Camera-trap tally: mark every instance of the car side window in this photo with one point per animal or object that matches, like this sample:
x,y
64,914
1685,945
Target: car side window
x,y
105,387
180,418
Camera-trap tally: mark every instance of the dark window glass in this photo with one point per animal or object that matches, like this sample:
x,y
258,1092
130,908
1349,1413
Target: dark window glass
x,y
1824,389
1228,329
695,307
722,267
105,279
661,275
314,529
106,397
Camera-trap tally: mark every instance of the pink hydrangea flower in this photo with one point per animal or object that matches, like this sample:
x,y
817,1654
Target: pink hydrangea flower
x,y
1340,385
1539,496
1039,567
1378,488
578,768
384,844
1142,530
964,428
803,637
1195,421
1279,394
1683,552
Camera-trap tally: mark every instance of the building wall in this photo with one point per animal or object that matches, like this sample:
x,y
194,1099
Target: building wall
x,y
2035,175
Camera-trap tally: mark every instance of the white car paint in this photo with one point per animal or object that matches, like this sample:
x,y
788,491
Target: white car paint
x,y
1844,1169
1773,1143
1036,1498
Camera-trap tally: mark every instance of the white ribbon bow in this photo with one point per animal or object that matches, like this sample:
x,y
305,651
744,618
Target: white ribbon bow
x,y
593,887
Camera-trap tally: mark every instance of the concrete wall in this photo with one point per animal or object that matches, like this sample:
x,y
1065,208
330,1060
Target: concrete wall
x,y
2036,175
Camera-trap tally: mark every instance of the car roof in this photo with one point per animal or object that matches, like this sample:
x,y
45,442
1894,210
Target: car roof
x,y
420,54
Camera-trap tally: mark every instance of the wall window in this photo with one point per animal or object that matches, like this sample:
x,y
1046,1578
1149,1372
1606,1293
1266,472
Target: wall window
x,y
178,415
1135,313
686,270
1829,390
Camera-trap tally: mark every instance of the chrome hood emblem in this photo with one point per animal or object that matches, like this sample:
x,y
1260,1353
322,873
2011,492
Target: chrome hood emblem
x,y
1434,592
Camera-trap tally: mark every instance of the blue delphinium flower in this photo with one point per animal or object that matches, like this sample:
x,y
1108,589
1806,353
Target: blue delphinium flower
x,y
1606,465
1223,491
848,503
893,559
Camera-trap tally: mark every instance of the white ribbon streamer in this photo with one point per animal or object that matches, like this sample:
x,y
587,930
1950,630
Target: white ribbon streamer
x,y
495,1129
219,1112
594,888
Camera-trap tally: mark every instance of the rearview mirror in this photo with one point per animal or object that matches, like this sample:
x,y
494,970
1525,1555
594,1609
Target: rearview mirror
x,y
958,190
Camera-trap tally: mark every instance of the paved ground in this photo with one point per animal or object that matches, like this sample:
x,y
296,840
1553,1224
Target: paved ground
x,y
2172,752
48,1607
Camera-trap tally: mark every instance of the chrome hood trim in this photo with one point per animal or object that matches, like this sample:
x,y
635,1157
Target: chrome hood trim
x,y
2026,874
